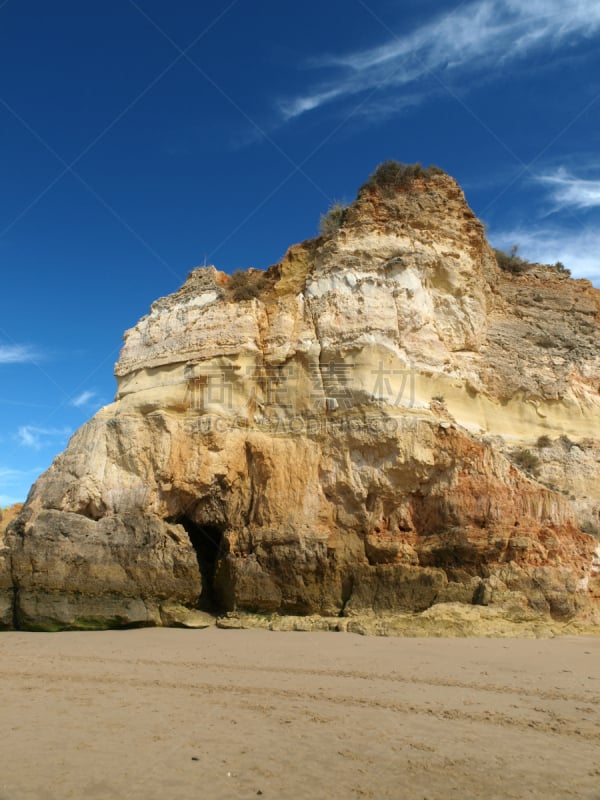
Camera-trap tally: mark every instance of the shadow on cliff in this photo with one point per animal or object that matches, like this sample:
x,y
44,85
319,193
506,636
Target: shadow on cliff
x,y
207,542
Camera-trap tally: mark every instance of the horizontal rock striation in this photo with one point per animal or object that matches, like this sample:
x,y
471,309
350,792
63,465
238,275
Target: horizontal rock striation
x,y
354,431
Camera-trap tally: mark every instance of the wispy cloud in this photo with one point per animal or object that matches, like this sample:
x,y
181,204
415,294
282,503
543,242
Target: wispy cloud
x,y
474,37
36,438
567,190
5,401
17,354
8,475
83,399
382,108
578,250
15,483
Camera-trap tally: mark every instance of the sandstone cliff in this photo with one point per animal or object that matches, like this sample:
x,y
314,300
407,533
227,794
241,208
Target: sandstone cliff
x,y
355,430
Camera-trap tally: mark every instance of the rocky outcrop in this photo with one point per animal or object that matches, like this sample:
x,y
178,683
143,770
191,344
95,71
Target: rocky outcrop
x,y
342,434
6,583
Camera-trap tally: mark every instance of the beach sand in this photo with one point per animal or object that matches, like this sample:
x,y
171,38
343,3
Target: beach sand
x,y
179,714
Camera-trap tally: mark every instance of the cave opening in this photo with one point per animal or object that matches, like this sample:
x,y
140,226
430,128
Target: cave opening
x,y
207,541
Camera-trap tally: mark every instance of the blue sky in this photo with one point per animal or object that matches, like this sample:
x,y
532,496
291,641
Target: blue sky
x,y
142,138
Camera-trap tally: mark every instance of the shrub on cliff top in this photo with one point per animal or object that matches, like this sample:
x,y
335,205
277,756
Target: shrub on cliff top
x,y
560,267
333,219
246,285
392,176
511,262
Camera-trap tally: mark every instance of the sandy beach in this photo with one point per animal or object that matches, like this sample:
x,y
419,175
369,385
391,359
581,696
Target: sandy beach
x,y
161,713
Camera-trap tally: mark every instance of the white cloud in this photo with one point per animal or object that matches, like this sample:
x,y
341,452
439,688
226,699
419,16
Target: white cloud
x,y
83,399
36,438
547,242
568,190
17,354
475,36
578,250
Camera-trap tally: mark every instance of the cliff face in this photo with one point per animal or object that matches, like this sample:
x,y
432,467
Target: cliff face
x,y
345,433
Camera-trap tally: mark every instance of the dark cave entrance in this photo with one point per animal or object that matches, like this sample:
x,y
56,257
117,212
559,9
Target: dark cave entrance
x,y
207,541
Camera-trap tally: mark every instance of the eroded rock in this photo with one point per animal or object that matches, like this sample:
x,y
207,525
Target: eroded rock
x,y
340,443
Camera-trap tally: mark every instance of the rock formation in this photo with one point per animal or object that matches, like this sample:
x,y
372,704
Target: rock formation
x,y
355,430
